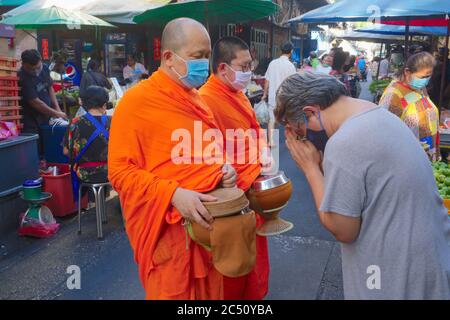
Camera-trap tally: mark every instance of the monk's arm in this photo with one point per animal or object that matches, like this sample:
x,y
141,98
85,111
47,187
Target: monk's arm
x,y
124,170
127,177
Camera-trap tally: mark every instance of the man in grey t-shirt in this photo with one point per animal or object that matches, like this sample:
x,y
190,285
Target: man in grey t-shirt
x,y
376,193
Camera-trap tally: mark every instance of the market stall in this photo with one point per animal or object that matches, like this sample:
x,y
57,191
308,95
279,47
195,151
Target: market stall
x,y
431,13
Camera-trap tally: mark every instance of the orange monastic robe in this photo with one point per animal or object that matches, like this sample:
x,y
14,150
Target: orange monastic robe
x,y
232,110
142,171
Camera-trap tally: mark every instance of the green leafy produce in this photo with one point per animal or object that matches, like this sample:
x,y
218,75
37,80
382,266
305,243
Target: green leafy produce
x,y
441,172
378,85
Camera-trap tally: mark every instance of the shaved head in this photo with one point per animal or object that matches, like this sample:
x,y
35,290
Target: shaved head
x,y
183,39
179,32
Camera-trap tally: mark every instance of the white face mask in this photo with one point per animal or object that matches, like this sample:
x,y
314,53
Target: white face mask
x,y
241,79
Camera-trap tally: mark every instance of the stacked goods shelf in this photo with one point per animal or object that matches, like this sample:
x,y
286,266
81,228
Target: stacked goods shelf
x,y
9,92
8,67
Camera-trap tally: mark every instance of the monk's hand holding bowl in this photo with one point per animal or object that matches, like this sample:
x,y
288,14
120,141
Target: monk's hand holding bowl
x,y
189,205
305,155
229,177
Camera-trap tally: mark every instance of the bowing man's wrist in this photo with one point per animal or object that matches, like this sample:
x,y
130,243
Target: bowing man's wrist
x,y
313,172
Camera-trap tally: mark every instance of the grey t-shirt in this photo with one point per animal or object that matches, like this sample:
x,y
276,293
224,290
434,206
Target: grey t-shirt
x,y
375,169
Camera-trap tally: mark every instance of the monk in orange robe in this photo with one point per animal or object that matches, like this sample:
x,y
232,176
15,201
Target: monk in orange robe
x,y
160,188
231,63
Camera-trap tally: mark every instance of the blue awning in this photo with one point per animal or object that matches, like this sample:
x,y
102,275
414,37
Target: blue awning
x,y
400,30
364,10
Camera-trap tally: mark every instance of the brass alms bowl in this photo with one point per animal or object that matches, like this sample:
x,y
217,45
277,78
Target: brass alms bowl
x,y
268,196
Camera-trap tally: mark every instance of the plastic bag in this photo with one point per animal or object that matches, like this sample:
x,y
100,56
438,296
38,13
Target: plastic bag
x,y
8,129
80,112
38,222
262,112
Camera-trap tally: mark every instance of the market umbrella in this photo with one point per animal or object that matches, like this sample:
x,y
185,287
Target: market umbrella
x,y
387,11
401,12
361,10
370,37
114,11
54,18
383,29
210,11
8,3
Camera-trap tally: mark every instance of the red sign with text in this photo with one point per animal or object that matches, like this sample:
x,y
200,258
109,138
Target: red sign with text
x,y
45,52
156,49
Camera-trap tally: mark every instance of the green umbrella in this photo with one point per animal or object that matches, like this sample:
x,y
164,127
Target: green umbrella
x,y
209,11
54,18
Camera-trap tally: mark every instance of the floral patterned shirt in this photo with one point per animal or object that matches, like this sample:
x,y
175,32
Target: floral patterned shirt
x,y
414,107
78,134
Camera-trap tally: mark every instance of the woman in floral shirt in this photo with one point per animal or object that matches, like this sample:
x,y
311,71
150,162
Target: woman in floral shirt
x,y
407,98
92,166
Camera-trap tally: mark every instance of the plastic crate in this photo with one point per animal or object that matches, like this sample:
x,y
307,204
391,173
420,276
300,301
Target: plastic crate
x,y
9,81
8,62
13,118
9,91
9,101
9,111
8,72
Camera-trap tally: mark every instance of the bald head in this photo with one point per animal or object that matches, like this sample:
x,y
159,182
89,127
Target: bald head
x,y
182,40
180,32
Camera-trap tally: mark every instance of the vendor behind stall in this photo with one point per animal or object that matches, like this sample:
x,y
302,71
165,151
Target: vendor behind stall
x,y
38,97
86,142
134,71
407,98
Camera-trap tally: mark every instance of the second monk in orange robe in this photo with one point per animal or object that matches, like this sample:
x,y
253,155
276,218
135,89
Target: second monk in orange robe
x,y
231,62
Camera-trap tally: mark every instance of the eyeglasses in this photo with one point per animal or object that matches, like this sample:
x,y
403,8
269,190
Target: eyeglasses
x,y
296,126
245,68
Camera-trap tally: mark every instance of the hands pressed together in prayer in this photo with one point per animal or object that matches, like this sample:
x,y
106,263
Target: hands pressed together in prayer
x,y
189,203
304,153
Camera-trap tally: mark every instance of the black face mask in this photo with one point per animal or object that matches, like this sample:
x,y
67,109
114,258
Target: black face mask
x,y
318,138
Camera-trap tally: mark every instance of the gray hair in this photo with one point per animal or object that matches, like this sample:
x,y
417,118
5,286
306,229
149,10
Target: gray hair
x,y
306,89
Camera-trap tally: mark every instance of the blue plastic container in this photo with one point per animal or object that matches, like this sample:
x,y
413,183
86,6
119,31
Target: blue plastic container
x,y
53,137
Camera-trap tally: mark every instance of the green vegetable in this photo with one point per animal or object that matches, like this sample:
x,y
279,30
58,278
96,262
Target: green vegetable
x,y
447,181
378,85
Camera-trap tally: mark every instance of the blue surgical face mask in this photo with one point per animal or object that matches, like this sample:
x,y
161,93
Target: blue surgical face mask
x,y
419,83
197,72
318,138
